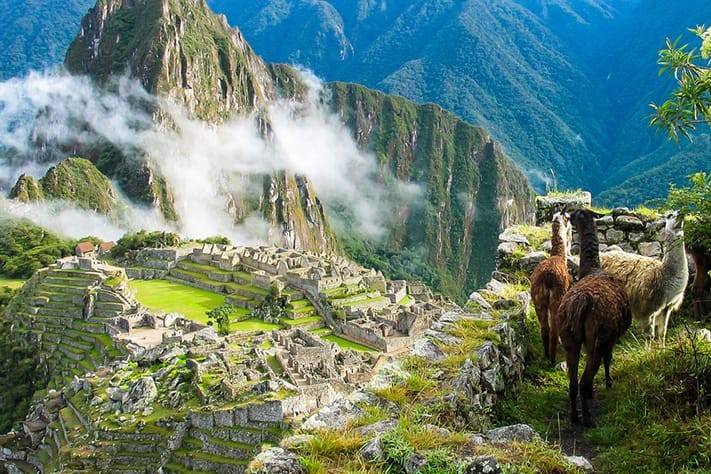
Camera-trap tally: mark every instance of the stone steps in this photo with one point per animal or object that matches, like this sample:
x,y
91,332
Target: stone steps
x,y
199,461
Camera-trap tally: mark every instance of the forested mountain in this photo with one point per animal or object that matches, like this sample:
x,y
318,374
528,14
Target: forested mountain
x,y
35,33
564,84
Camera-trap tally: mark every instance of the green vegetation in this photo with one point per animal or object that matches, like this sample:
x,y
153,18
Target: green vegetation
x,y
655,418
144,239
73,179
249,325
25,248
346,344
169,297
690,105
11,283
220,317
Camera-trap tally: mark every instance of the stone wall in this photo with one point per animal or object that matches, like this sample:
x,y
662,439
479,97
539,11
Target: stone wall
x,y
629,231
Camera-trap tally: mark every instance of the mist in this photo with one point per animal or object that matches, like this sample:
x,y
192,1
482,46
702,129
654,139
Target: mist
x,y
204,165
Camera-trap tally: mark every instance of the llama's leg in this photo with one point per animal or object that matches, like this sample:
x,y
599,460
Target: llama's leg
x,y
553,340
542,313
586,384
608,359
667,317
572,357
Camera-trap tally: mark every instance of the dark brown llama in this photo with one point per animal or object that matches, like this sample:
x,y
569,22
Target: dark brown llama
x,y
594,313
549,282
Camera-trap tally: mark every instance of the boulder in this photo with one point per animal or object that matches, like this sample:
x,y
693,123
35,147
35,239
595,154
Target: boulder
x,y
614,236
296,441
333,416
496,287
373,450
580,462
427,349
650,249
531,261
478,299
141,395
276,461
482,465
629,223
206,336
510,236
508,434
377,428
414,463
506,248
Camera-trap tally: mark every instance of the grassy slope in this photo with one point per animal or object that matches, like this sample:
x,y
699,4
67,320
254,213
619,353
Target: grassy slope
x,y
645,423
171,297
11,283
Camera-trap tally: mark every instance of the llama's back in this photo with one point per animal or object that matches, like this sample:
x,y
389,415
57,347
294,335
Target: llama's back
x,y
550,280
642,278
597,305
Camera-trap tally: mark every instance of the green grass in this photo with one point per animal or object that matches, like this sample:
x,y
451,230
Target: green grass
x,y
346,344
300,321
169,297
11,283
652,419
249,325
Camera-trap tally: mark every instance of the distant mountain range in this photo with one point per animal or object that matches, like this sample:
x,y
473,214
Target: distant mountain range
x,y
565,85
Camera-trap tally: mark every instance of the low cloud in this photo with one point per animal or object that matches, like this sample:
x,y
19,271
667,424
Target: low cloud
x,y
208,167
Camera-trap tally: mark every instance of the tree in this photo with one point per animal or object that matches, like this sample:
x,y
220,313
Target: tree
x,y
273,308
220,316
690,104
694,202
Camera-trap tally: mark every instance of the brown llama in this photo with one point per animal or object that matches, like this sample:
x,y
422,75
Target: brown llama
x,y
594,313
549,282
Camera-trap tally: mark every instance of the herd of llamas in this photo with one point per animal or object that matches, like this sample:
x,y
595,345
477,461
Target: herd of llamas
x,y
612,289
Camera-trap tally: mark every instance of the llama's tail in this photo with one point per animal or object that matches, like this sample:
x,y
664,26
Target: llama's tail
x,y
578,315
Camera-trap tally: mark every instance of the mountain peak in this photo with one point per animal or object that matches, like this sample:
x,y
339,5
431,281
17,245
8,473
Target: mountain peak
x,y
176,48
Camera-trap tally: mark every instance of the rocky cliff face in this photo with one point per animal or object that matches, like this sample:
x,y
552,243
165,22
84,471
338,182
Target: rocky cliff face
x,y
470,188
178,49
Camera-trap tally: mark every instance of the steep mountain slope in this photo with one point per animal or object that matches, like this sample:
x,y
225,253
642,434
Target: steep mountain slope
x,y
178,49
471,189
502,68
36,33
563,84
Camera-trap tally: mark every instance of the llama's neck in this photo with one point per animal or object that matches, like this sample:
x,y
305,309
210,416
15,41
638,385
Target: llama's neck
x,y
674,264
559,241
589,250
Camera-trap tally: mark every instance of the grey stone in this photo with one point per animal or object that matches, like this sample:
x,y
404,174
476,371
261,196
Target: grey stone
x,y
414,463
613,248
615,236
703,334
629,223
547,246
635,237
506,248
116,394
335,415
607,220
482,465
496,287
204,421
580,462
477,439
377,428
11,468
508,434
270,411
531,261
487,355
478,299
223,418
650,249
172,353
141,394
206,336
373,450
277,461
296,441
427,349
510,236
493,379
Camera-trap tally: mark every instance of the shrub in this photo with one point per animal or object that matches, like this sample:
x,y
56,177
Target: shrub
x,y
25,248
142,240
220,316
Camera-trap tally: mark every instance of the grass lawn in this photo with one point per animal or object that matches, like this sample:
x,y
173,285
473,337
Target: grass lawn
x,y
252,325
346,344
300,321
11,282
170,297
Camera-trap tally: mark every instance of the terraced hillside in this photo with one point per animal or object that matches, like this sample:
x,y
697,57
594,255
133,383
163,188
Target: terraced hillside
x,y
51,308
